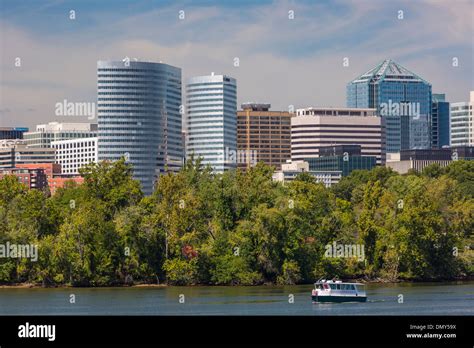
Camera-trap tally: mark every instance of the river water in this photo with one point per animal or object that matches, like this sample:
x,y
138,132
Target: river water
x,y
383,299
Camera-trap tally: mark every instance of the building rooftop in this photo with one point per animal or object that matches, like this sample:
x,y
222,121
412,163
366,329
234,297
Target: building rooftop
x,y
9,143
21,129
209,79
336,111
255,106
389,70
66,126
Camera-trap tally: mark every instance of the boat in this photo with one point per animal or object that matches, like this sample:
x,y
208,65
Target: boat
x,y
337,291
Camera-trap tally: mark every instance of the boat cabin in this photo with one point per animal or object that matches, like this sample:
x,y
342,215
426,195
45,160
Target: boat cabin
x,y
328,285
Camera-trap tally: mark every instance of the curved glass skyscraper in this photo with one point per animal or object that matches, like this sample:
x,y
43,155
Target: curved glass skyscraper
x,y
212,120
401,97
139,117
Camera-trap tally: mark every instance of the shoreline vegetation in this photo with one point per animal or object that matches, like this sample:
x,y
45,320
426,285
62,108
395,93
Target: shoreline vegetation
x,y
240,228
165,285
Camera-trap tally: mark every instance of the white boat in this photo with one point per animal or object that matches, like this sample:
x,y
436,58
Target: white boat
x,y
338,291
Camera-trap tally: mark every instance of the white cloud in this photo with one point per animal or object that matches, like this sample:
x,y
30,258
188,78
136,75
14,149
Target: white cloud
x,y
282,61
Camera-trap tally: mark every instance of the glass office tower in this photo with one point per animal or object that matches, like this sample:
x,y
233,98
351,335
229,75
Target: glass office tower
x,y
439,122
212,121
139,117
402,97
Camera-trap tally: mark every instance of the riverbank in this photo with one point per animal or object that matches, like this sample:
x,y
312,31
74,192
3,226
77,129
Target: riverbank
x,y
145,285
30,285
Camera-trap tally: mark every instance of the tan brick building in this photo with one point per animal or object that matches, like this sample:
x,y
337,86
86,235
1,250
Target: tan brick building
x,y
263,135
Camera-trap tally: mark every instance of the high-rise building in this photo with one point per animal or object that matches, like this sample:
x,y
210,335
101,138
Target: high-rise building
x,y
314,128
139,117
401,97
462,123
263,135
12,133
74,153
212,121
14,152
55,131
439,122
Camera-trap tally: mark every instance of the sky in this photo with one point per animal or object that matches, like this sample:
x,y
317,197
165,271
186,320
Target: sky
x,y
282,61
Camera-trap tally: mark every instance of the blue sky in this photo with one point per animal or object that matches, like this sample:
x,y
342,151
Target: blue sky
x,y
283,62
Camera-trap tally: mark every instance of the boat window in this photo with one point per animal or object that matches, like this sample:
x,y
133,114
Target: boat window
x,y
333,286
338,286
352,287
344,287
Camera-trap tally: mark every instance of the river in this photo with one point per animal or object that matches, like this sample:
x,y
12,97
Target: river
x,y
383,299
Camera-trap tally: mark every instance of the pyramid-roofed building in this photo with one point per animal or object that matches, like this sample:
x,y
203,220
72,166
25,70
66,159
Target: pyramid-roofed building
x,y
389,70
400,96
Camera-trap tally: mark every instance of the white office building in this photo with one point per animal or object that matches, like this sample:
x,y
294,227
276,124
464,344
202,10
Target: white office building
x,y
462,123
75,153
212,121
55,131
313,128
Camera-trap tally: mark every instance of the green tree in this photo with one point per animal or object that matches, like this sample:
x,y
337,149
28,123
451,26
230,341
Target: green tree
x,y
367,223
112,183
433,171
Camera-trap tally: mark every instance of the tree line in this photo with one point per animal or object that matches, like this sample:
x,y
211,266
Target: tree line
x,y
240,228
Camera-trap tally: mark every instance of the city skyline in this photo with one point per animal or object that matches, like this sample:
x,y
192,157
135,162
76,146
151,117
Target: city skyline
x,y
223,160
280,60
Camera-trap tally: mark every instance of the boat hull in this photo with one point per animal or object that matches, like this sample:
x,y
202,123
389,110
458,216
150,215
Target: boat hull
x,y
338,299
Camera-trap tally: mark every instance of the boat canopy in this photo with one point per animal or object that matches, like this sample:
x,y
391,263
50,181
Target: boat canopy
x,y
324,281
